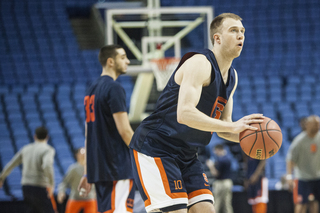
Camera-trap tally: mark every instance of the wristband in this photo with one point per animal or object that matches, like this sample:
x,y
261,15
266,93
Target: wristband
x,y
289,177
84,176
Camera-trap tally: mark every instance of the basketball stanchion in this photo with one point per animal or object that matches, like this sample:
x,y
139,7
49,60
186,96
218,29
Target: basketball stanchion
x,y
162,69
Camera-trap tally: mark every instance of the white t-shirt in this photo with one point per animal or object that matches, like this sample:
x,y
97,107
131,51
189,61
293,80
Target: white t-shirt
x,y
304,152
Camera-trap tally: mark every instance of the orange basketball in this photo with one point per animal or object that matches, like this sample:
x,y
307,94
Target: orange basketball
x,y
262,143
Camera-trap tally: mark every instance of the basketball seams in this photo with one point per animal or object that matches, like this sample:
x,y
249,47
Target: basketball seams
x,y
270,135
270,130
253,143
264,143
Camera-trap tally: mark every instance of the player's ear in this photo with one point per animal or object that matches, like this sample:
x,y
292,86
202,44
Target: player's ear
x,y
216,38
110,62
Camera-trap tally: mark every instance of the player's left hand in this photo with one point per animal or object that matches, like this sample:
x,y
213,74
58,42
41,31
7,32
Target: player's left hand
x,y
61,196
244,123
50,191
84,187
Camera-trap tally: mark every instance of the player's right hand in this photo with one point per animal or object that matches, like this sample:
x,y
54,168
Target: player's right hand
x,y
84,187
244,123
61,196
291,185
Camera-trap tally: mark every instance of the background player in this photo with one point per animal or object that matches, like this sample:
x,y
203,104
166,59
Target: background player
x,y
304,157
222,185
196,102
257,185
108,134
71,180
37,172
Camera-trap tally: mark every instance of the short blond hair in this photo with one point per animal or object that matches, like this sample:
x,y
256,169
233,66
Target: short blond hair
x,y
216,23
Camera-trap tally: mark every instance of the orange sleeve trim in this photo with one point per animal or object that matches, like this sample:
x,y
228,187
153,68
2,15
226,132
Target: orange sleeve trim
x,y
146,202
166,182
199,192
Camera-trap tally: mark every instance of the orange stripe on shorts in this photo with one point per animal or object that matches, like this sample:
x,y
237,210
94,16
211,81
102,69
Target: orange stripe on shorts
x,y
199,192
166,182
146,202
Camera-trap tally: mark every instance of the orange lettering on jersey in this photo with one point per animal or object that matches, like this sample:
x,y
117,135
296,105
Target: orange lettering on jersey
x,y
205,177
86,107
89,108
92,114
313,148
218,107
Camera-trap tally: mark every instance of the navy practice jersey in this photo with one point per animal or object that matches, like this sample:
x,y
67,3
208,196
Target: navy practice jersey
x,y
107,155
160,133
223,166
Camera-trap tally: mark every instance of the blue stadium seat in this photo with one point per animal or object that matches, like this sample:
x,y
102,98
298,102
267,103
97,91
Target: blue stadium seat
x,y
77,141
4,196
288,119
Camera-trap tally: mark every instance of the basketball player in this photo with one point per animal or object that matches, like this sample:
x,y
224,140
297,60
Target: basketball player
x,y
196,102
108,134
222,185
304,157
37,173
71,180
257,185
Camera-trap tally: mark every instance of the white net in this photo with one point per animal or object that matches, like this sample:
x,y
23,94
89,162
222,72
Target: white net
x,y
162,69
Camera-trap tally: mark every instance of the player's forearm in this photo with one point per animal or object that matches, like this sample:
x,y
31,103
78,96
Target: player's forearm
x,y
14,162
229,136
290,165
127,136
260,168
193,118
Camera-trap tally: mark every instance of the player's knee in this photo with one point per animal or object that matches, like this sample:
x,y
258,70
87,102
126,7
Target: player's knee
x,y
203,207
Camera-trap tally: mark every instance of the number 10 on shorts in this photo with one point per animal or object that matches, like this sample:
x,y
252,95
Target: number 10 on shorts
x,y
177,184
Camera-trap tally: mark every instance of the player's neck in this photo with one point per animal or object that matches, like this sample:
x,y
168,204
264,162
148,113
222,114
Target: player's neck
x,y
223,61
312,134
109,72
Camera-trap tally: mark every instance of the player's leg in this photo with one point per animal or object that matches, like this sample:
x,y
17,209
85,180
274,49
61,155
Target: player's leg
x,y
313,206
115,196
73,206
259,208
203,207
218,195
300,208
228,198
37,198
200,198
222,192
314,201
90,206
258,194
301,192
159,182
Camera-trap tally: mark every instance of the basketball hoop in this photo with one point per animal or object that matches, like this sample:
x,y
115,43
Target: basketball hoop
x,y
162,69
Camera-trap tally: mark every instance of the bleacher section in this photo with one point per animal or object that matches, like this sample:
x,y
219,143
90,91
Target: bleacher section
x,y
43,73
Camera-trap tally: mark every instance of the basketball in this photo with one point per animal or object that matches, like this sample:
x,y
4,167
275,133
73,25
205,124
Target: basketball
x,y
262,143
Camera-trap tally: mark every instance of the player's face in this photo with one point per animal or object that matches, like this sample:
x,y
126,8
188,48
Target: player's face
x,y
313,124
121,61
232,37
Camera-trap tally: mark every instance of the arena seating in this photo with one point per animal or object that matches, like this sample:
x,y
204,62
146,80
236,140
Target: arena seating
x,y
43,73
